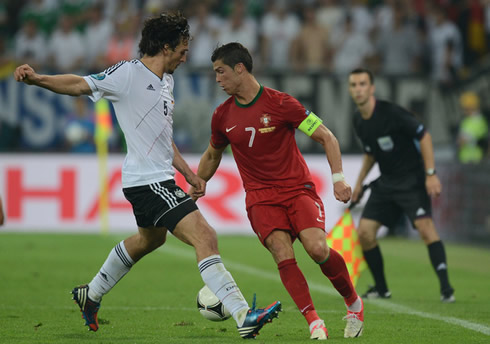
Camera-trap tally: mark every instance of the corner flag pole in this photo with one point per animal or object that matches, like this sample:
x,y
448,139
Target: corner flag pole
x,y
103,130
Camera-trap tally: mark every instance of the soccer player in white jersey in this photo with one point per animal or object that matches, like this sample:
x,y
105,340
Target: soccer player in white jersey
x,y
141,93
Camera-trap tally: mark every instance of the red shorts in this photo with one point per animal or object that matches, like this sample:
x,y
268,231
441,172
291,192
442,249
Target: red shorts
x,y
289,209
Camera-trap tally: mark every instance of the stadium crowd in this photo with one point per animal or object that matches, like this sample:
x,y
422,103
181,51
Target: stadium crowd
x,y
441,38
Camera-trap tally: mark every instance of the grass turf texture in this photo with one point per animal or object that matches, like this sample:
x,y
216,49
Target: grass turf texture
x,y
156,301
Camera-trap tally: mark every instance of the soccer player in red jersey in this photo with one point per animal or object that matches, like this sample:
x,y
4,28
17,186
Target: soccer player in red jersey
x,y
281,200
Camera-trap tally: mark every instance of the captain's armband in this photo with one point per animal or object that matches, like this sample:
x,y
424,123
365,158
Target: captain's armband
x,y
310,124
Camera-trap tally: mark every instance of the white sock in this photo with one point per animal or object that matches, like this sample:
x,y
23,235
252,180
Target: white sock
x,y
221,283
356,306
117,264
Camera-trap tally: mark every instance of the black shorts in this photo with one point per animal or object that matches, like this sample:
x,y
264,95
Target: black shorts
x,y
387,204
161,204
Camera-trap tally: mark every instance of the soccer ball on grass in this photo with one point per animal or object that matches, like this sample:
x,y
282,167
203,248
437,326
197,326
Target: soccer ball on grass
x,y
210,306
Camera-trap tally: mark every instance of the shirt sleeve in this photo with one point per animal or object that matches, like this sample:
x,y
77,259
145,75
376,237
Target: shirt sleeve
x,y
293,111
110,83
409,125
218,138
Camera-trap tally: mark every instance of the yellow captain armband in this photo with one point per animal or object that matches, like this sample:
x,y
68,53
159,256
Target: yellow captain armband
x,y
309,125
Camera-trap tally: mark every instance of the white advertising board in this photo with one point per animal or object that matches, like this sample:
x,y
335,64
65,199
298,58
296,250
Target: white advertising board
x,y
60,193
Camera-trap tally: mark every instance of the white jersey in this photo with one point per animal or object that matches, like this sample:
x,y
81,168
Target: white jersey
x,y
144,106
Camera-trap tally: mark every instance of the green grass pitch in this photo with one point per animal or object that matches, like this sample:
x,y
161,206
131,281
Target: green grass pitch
x,y
156,301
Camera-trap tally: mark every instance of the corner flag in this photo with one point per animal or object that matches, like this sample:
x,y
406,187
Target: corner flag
x,y
103,130
343,239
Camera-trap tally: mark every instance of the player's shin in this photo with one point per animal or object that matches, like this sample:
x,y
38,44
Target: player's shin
x,y
117,264
222,284
335,269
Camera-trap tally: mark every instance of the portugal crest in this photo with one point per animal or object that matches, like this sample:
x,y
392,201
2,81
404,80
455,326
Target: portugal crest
x,y
266,122
265,119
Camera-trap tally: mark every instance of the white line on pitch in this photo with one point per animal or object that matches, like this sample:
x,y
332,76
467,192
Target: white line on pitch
x,y
389,305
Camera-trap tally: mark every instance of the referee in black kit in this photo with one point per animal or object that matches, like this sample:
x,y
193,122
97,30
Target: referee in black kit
x,y
399,143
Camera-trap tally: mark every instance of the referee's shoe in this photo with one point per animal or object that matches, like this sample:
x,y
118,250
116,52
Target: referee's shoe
x,y
373,293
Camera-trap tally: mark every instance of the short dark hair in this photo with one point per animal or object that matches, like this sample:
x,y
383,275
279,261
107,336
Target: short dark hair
x,y
364,70
168,28
233,53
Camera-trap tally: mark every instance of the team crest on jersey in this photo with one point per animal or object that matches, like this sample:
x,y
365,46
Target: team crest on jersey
x,y
100,76
266,122
179,193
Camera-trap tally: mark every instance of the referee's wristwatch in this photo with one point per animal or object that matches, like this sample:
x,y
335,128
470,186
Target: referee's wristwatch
x,y
430,171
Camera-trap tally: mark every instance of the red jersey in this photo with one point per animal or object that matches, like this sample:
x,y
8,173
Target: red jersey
x,y
261,135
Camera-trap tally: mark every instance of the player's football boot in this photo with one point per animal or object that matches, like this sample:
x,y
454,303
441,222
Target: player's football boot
x,y
257,318
355,323
447,296
88,307
318,330
373,293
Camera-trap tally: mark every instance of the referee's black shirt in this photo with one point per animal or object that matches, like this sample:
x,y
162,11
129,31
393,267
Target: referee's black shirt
x,y
392,137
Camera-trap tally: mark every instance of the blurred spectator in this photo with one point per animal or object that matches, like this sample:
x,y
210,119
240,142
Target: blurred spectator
x,y
383,15
310,50
3,19
30,45
473,130
66,52
278,30
471,23
487,20
122,10
204,28
7,62
329,14
97,33
44,12
446,48
240,27
122,45
398,47
362,19
79,128
352,49
9,130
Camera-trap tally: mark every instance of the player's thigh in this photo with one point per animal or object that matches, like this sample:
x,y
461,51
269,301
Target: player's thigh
x,y
306,210
161,204
194,230
267,218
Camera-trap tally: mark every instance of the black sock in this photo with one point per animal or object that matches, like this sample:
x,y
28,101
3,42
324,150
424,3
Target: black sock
x,y
437,256
375,262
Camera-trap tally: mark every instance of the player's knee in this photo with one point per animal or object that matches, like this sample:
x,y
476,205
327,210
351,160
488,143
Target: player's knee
x,y
366,237
318,251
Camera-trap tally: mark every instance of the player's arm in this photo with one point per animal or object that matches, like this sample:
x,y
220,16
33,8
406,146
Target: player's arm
x,y
68,84
368,162
198,185
326,138
432,182
208,165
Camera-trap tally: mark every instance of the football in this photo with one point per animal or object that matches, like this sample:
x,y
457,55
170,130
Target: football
x,y
210,306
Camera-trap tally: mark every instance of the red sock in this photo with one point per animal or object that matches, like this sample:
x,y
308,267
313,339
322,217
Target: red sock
x,y
336,271
295,283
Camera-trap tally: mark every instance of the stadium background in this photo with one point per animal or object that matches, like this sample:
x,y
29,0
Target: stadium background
x,y
40,134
